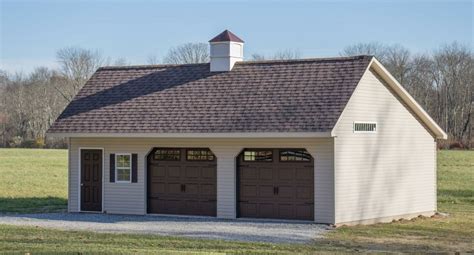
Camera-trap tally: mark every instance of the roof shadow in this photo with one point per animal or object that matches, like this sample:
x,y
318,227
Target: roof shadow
x,y
161,79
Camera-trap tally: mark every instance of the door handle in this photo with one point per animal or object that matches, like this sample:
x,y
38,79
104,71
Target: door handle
x,y
276,190
183,187
82,184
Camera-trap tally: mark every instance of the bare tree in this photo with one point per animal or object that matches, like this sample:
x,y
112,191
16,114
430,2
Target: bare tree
x,y
453,78
77,64
279,55
257,57
121,62
397,60
153,59
371,48
286,54
188,53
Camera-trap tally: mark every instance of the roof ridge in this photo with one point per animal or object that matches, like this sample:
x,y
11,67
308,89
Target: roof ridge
x,y
270,61
147,66
246,62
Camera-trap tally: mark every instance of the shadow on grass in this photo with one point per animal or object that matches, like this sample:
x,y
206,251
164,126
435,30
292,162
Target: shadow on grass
x,y
32,204
457,193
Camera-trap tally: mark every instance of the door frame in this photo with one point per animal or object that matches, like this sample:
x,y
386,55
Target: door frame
x,y
80,175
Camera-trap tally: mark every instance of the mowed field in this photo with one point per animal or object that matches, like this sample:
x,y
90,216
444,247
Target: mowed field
x,y
33,180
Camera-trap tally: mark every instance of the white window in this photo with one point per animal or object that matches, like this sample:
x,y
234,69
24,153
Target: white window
x,y
123,167
365,127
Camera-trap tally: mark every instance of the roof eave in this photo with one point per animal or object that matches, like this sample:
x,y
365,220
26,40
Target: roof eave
x,y
408,99
193,135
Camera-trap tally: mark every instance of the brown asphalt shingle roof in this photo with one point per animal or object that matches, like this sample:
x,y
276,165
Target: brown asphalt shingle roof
x,y
268,96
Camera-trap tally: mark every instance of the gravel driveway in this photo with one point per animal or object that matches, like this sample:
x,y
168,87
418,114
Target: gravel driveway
x,y
196,227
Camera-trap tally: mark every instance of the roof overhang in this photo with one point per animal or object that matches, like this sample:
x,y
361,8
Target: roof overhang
x,y
195,135
407,99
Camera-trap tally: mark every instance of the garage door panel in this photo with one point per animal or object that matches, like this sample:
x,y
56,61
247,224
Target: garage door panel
x,y
177,185
305,174
192,171
248,173
208,189
266,210
304,192
172,188
192,188
172,171
157,172
172,206
208,172
208,208
286,173
248,209
157,188
248,191
192,206
265,191
304,211
286,211
281,188
286,192
265,173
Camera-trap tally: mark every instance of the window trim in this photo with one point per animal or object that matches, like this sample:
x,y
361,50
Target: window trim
x,y
265,161
364,132
294,161
122,168
200,149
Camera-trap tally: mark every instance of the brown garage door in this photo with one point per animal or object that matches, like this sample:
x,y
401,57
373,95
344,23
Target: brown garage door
x,y
182,181
276,183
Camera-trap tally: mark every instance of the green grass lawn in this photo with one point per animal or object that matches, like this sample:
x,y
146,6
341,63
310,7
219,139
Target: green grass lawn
x,y
33,180
36,181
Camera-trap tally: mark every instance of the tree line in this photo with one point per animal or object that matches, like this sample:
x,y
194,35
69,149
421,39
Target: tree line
x,y
441,81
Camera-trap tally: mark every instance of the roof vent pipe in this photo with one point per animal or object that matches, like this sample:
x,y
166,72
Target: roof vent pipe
x,y
226,49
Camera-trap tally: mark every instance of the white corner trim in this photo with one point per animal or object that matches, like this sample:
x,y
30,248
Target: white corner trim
x,y
408,99
197,135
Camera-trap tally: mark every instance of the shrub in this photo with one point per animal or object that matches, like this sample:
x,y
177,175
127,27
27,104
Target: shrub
x,y
15,142
456,145
29,143
39,143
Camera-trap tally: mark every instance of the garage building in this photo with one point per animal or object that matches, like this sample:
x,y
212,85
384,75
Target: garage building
x,y
330,140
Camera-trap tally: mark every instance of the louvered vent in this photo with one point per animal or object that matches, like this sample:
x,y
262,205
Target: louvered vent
x,y
365,127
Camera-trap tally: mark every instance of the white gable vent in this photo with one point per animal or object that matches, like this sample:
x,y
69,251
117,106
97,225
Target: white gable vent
x,y
365,127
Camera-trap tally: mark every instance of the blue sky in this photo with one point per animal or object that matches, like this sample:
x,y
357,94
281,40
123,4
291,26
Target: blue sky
x,y
32,31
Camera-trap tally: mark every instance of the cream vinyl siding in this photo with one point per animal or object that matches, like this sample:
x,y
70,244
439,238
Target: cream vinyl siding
x,y
391,172
130,198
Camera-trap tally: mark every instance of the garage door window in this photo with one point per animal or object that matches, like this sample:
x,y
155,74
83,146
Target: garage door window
x,y
123,167
199,155
258,155
298,155
167,154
